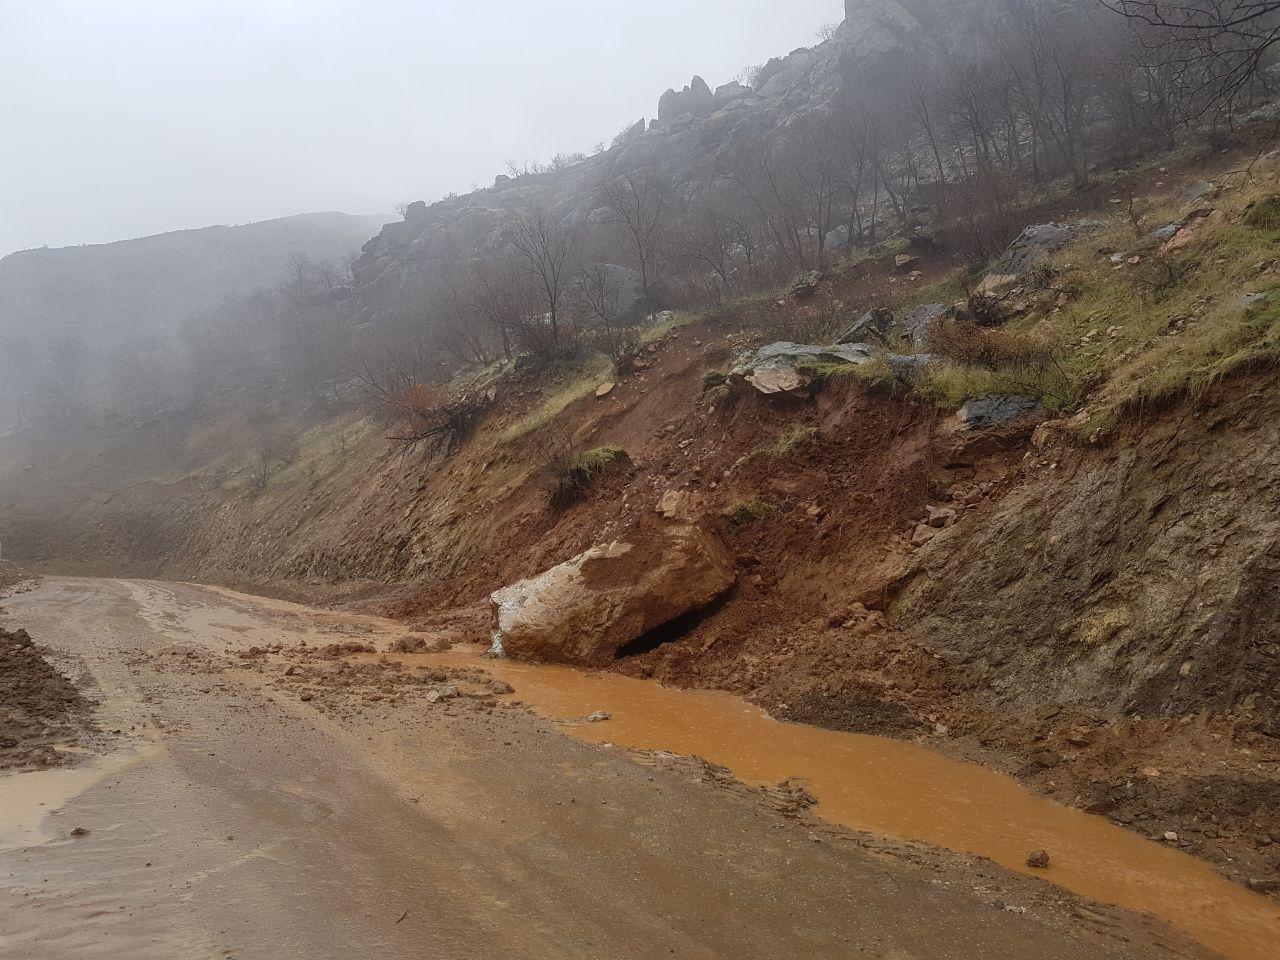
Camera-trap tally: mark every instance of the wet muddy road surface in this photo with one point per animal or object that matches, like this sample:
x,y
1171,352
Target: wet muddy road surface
x,y
233,817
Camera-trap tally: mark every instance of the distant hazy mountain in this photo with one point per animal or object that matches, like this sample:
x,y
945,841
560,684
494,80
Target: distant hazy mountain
x,y
156,282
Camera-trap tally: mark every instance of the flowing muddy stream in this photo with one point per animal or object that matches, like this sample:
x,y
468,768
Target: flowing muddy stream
x,y
900,789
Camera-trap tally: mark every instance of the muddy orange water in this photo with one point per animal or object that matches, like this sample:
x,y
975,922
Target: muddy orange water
x,y
903,790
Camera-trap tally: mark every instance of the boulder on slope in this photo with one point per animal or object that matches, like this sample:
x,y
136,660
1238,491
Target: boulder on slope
x,y
588,609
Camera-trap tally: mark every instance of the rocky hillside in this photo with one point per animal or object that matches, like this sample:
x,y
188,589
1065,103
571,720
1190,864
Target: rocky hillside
x,y
698,133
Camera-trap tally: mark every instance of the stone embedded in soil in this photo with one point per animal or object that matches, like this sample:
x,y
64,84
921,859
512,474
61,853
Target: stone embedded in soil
x,y
413,644
778,369
990,411
941,516
923,534
588,609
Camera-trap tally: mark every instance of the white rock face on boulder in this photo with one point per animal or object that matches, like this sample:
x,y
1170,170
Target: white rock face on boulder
x,y
586,610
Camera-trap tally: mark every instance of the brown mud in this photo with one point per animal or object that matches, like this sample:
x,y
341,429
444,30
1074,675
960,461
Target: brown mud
x,y
42,713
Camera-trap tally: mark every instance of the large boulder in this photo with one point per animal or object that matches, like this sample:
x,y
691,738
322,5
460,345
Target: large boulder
x,y
587,610
872,325
1031,248
918,324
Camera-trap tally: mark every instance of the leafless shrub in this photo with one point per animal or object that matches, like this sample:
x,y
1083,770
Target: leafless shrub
x,y
1159,275
419,415
273,450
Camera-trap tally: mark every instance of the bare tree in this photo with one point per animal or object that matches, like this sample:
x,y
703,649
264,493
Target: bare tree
x,y
543,247
600,295
1216,47
419,415
638,205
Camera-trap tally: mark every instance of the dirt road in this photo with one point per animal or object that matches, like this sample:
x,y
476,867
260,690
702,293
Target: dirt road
x,y
230,818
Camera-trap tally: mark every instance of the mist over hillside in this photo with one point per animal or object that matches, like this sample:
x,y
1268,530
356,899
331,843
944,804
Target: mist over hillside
x,y
121,326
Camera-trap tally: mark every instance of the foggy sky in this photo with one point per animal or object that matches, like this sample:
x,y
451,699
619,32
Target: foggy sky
x,y
123,118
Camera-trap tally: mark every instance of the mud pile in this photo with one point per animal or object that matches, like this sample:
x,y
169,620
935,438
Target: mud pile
x,y
39,708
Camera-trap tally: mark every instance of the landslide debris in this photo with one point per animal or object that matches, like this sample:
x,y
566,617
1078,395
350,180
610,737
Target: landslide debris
x,y
40,709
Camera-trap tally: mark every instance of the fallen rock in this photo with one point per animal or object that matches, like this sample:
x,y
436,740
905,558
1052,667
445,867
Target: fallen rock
x,y
909,366
604,390
776,369
600,716
940,517
1031,248
1194,230
923,319
679,505
873,324
990,411
806,285
448,692
1197,190
415,644
587,610
1038,860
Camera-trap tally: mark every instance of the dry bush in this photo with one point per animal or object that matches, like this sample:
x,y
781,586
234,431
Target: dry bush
x,y
1161,275
620,343
438,420
983,217
1264,215
418,415
966,343
274,449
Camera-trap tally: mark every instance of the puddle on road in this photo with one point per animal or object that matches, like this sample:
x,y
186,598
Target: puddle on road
x,y
903,790
26,799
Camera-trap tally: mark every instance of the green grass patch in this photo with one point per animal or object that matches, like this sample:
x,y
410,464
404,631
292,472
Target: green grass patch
x,y
791,441
948,386
824,371
748,512
1264,215
571,476
655,332
1148,348
567,386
